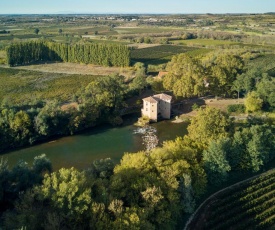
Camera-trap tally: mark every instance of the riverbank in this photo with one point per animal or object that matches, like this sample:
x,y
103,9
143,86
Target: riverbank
x,y
100,142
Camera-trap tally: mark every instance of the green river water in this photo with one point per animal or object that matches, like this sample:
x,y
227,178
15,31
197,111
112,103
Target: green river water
x,y
100,142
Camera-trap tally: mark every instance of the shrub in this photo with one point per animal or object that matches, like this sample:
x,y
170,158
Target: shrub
x,y
237,108
195,106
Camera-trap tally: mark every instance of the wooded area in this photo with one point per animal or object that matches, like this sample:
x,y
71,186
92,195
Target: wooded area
x,y
99,54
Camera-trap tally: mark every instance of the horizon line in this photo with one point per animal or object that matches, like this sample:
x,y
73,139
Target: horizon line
x,y
78,13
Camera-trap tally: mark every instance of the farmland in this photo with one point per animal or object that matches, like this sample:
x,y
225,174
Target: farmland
x,y
249,205
204,42
157,54
16,85
242,48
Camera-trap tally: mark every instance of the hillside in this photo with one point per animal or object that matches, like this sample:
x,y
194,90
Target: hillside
x,y
247,205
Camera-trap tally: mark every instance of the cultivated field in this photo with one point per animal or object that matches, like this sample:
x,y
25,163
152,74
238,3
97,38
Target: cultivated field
x,y
19,86
157,54
248,205
204,42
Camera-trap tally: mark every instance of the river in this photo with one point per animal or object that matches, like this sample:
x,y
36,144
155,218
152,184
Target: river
x,y
97,143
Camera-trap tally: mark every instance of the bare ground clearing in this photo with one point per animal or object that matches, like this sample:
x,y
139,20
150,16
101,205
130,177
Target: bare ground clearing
x,y
184,108
74,68
142,45
2,54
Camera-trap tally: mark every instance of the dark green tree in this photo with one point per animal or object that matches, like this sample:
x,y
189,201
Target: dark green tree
x,y
215,161
36,30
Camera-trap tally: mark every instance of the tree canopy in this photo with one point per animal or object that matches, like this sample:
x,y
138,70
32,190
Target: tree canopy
x,y
210,124
214,73
101,54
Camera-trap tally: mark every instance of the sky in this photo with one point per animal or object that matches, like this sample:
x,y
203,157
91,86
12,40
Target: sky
x,y
135,6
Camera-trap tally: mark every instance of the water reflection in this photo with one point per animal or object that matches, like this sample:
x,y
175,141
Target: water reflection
x,y
80,150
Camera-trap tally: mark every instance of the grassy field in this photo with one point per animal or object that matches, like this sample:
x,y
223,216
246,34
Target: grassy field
x,y
75,68
144,30
2,57
248,205
95,40
24,86
204,42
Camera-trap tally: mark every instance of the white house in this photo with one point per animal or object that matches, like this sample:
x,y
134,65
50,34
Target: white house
x,y
157,106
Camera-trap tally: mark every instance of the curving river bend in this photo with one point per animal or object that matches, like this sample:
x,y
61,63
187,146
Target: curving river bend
x,y
100,142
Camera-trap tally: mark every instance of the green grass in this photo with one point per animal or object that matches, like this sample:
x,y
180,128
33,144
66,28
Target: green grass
x,y
204,42
2,57
103,30
198,52
23,86
108,41
144,30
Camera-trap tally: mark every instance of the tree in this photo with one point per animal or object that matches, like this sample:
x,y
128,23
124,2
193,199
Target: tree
x,y
41,165
21,126
107,92
253,102
238,85
60,31
223,70
252,148
68,192
208,125
138,84
99,53
185,77
265,88
102,168
140,69
36,30
21,178
162,183
28,212
188,199
250,78
215,161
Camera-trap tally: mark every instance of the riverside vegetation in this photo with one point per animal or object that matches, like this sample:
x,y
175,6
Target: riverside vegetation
x,y
147,190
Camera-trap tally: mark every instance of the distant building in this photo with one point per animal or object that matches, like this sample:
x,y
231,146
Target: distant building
x,y
161,74
157,106
69,106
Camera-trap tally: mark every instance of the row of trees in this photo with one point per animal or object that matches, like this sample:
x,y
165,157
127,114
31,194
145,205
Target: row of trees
x,y
221,75
100,101
102,54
